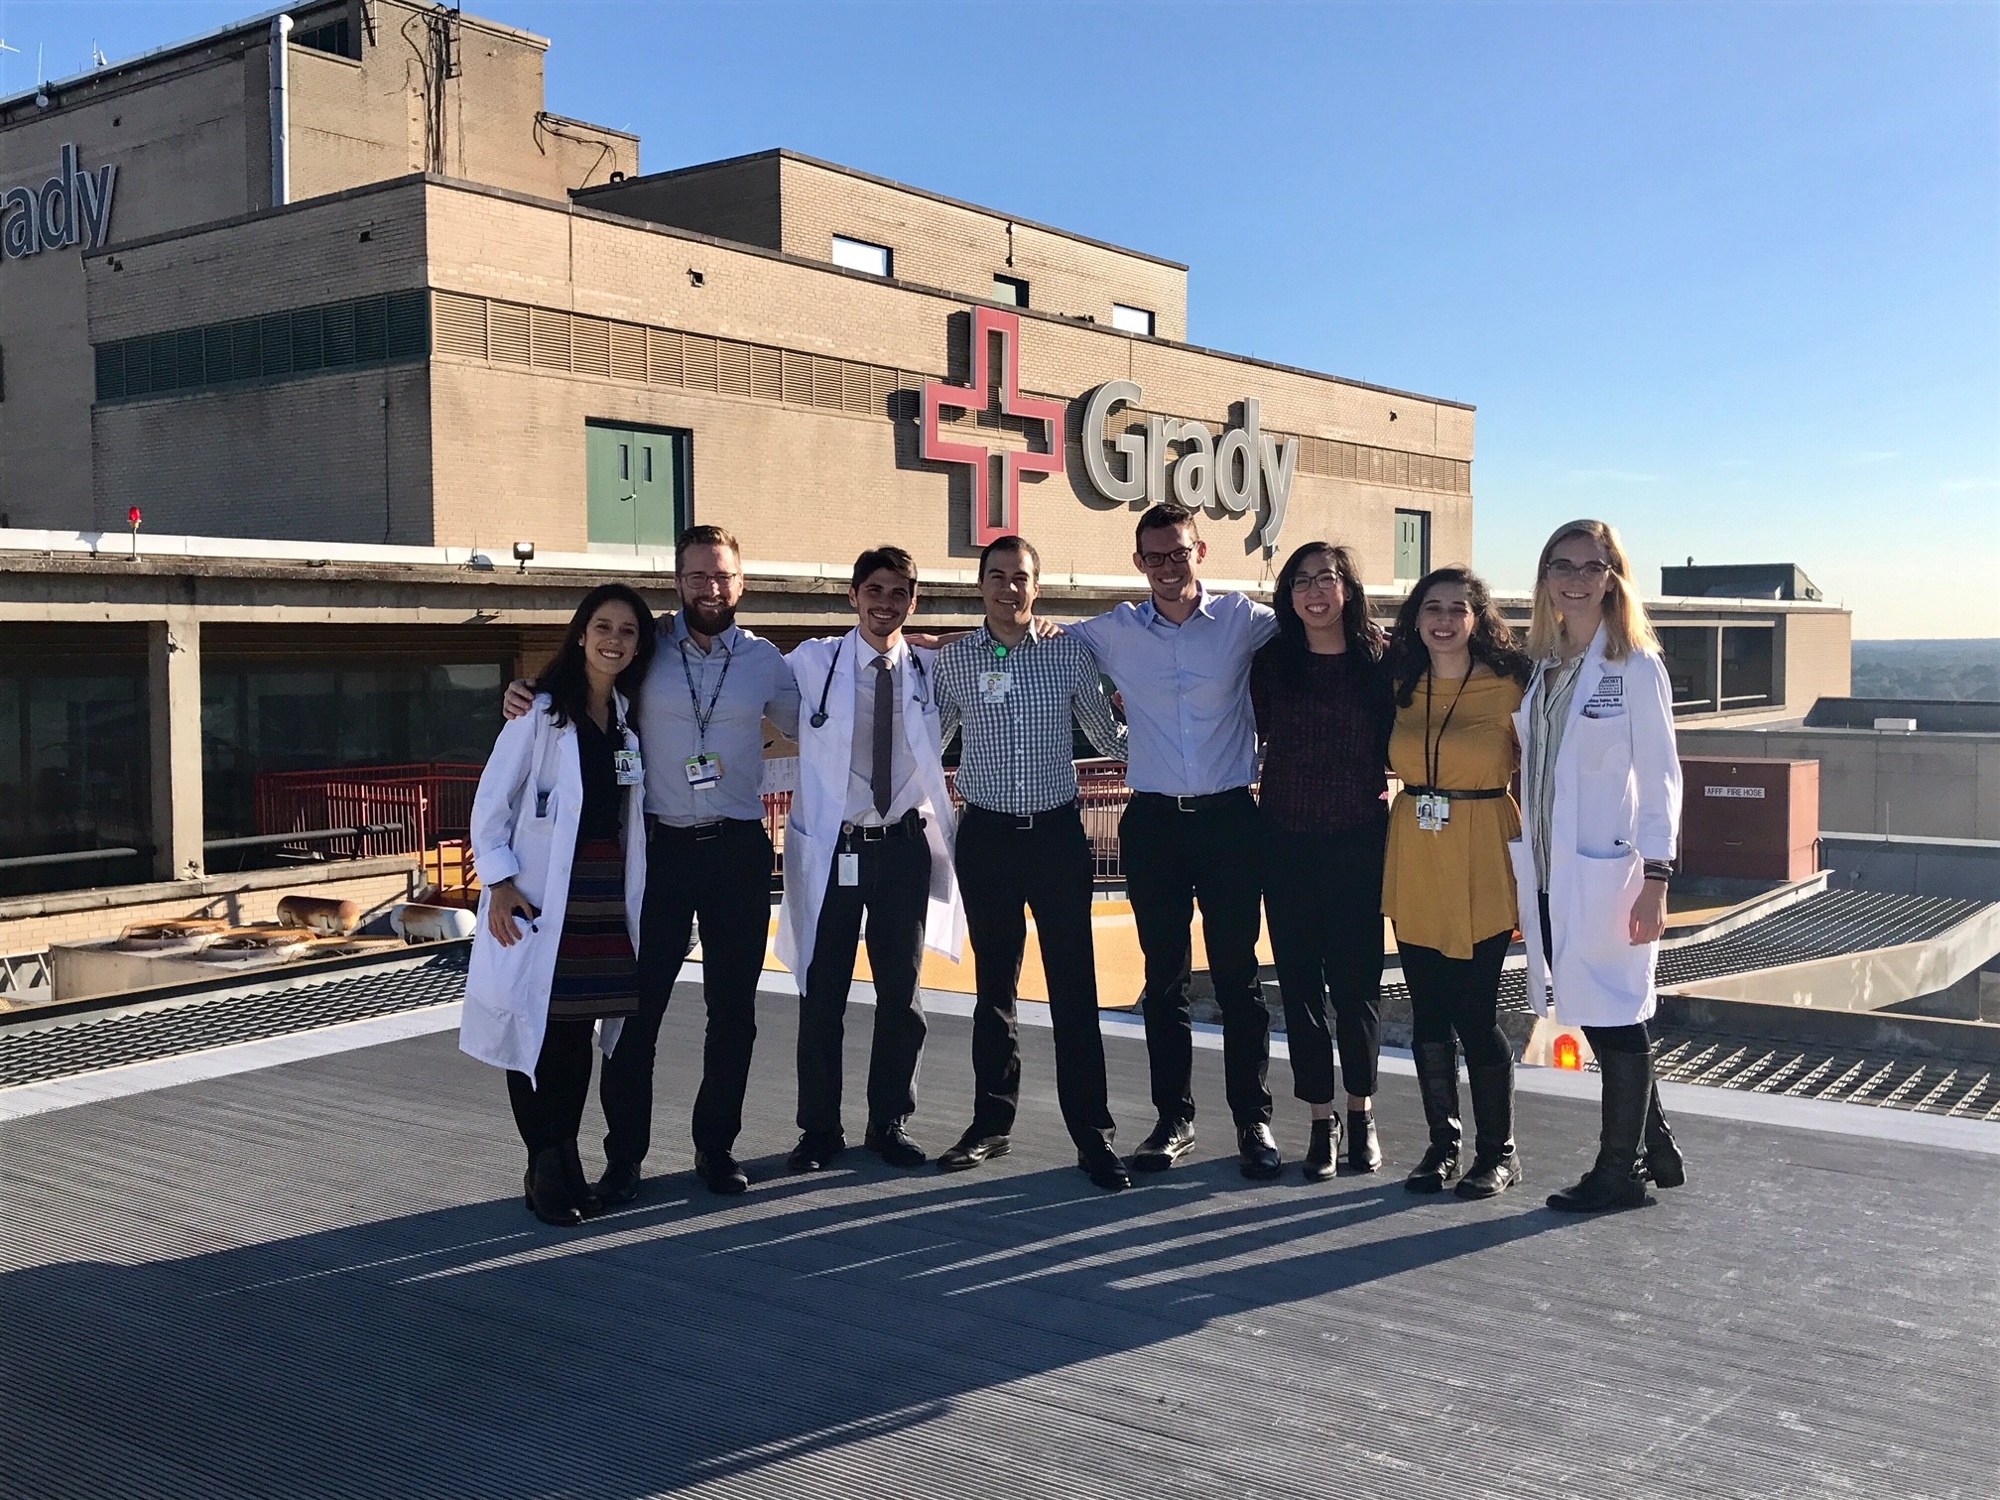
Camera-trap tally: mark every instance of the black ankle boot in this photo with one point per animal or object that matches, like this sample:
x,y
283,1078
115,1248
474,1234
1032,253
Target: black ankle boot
x,y
1614,1182
1664,1163
1437,1081
1496,1164
1364,1147
581,1193
548,1189
1324,1148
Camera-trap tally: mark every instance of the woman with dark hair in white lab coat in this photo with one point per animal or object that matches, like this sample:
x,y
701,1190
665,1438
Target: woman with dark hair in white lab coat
x,y
1601,802
559,841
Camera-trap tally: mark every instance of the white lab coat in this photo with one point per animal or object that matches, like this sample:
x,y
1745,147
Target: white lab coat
x,y
1616,804
812,831
507,989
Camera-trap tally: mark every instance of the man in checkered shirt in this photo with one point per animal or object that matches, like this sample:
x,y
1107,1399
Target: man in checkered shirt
x,y
1012,692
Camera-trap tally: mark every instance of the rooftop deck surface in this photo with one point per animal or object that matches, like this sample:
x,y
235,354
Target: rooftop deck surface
x,y
318,1280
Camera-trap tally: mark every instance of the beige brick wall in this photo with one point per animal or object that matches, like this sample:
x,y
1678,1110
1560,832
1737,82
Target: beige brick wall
x,y
34,934
960,249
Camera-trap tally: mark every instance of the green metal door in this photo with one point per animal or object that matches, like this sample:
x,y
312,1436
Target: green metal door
x,y
636,480
1412,544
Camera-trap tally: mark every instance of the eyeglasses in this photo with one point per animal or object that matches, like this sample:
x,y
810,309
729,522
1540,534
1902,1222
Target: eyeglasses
x,y
699,583
1564,569
1161,559
1307,583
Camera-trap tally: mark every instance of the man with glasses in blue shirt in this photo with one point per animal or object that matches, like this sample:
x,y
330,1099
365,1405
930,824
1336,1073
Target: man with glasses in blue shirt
x,y
1181,661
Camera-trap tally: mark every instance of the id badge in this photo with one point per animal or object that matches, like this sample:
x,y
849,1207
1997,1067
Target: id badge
x,y
1433,813
704,771
994,686
630,769
850,869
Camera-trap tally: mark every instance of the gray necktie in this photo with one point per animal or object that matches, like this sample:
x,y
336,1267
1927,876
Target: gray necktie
x,y
885,728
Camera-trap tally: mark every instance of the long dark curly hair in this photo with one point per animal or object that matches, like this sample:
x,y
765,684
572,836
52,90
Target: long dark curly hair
x,y
564,678
1364,636
1492,637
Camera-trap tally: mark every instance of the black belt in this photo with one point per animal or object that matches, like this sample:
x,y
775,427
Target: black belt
x,y
1022,822
873,833
1484,794
1208,802
699,833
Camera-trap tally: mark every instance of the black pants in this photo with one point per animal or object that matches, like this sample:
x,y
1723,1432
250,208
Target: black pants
x,y
548,1108
1172,860
1633,1038
892,892
723,875
1459,995
1047,869
1323,900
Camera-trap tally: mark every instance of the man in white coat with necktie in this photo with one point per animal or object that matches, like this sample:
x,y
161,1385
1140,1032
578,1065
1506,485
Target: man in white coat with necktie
x,y
868,837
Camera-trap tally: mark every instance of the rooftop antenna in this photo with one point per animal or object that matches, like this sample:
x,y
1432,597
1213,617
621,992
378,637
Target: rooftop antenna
x,y
97,57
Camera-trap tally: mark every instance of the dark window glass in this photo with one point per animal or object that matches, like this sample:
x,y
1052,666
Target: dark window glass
x,y
1746,666
74,771
110,371
166,361
246,357
1688,651
340,334
307,353
190,358
276,336
371,331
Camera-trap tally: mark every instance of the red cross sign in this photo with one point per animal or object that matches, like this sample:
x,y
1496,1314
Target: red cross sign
x,y
940,395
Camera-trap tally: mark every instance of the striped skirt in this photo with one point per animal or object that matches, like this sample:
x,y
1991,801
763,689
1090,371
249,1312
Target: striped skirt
x,y
596,972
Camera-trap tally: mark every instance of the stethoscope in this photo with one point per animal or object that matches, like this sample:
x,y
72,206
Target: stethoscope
x,y
921,697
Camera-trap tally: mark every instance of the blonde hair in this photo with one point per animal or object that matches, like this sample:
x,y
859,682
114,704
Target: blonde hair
x,y
1626,628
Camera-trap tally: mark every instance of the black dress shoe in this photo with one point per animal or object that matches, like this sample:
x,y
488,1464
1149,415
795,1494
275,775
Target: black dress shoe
x,y
1103,1167
721,1172
1169,1142
1364,1148
1258,1151
972,1149
816,1150
619,1184
893,1144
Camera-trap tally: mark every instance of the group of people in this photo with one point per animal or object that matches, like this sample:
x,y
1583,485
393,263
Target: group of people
x,y
622,804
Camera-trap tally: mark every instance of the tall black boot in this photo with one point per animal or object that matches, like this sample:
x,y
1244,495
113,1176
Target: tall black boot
x,y
1437,1081
1664,1162
1496,1164
1614,1182
548,1189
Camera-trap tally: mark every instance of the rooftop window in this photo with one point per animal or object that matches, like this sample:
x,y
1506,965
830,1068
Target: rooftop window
x,y
860,255
1131,319
1011,290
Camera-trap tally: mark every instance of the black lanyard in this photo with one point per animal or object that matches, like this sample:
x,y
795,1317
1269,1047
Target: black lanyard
x,y
703,718
1434,750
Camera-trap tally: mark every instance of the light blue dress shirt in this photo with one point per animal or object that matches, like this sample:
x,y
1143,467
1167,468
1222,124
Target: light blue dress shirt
x,y
1186,690
758,685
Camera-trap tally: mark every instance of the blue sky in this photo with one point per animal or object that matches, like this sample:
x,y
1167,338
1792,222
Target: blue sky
x,y
1727,275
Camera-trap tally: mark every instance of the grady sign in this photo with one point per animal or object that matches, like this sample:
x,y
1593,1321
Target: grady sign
x,y
1246,469
71,208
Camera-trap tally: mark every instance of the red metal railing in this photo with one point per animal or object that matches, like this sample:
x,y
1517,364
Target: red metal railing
x,y
442,792
392,817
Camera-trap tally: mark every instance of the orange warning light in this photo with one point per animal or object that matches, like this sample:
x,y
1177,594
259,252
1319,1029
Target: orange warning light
x,y
1568,1054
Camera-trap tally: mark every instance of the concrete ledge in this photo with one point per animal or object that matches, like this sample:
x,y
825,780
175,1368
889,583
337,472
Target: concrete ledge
x,y
109,897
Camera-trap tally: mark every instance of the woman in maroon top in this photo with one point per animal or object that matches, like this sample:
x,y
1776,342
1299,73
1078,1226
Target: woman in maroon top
x,y
1324,711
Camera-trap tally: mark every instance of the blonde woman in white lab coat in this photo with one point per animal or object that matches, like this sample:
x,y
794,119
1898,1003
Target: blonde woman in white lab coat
x,y
1601,804
558,836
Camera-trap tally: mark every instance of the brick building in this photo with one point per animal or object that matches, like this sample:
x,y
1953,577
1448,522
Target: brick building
x,y
346,313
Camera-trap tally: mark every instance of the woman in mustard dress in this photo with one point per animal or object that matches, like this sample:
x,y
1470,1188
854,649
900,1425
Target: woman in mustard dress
x,y
1449,883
